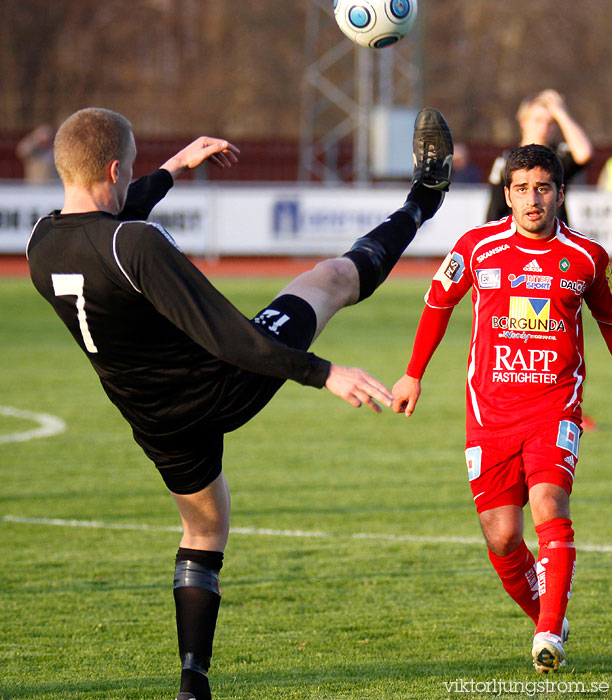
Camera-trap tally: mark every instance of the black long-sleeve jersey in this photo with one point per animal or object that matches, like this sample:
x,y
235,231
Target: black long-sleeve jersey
x,y
162,339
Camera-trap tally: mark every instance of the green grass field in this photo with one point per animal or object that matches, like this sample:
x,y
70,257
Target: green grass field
x,y
355,569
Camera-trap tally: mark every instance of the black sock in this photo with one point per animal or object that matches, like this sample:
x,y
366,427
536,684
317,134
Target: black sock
x,y
427,200
376,253
197,596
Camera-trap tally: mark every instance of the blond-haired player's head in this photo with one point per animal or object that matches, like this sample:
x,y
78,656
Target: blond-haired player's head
x,y
88,141
526,104
535,121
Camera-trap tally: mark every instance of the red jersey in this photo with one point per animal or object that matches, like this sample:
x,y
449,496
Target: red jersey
x,y
526,360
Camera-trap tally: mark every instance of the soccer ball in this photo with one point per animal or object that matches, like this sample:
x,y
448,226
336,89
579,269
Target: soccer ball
x,y
375,23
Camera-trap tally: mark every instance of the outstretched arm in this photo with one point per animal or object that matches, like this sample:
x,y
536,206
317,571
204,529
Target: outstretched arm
x,y
220,152
357,387
181,293
574,135
430,332
146,192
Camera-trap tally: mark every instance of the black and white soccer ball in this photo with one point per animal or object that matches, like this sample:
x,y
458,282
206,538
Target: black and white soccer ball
x,y
375,23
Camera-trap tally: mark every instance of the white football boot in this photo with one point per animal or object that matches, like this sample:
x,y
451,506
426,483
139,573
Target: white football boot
x,y
565,630
548,652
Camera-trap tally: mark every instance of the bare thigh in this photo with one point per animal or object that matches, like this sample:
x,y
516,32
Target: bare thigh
x,y
328,287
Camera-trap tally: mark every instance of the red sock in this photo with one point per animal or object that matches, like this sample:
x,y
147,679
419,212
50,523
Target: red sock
x,y
555,568
518,577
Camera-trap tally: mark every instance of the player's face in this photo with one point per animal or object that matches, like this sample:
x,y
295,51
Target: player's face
x,y
537,126
534,200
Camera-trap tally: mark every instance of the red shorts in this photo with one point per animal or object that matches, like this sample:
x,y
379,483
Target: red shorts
x,y
501,470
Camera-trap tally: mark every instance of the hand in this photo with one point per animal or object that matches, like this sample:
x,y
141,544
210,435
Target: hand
x,y
580,145
357,387
220,152
406,393
553,102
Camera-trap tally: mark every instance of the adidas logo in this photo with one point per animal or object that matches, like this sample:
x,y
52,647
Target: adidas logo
x,y
532,267
569,460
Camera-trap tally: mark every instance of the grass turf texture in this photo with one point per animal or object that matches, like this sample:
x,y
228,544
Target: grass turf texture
x,y
88,613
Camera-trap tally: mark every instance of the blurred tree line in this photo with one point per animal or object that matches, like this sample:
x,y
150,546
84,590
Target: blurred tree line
x,y
235,67
171,66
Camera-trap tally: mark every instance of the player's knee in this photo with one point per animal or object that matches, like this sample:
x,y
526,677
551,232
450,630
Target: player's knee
x,y
339,276
548,502
206,527
203,528
504,541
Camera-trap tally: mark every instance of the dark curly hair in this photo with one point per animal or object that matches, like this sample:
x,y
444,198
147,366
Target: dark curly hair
x,y
534,156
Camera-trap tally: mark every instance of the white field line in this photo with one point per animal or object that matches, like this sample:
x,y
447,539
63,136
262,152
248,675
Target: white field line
x,y
47,425
265,532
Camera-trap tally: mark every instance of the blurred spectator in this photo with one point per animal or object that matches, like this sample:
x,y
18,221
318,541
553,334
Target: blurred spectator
x,y
540,117
604,183
463,168
35,150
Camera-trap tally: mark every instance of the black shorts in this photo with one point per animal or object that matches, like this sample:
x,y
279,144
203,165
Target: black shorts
x,y
191,459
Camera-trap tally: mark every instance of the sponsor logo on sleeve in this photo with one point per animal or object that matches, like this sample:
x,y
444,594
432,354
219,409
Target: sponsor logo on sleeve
x,y
451,270
489,279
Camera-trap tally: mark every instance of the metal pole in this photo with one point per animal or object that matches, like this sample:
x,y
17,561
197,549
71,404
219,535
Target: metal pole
x,y
364,99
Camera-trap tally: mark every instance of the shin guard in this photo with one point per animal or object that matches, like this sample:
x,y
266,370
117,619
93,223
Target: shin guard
x,y
555,569
375,254
518,577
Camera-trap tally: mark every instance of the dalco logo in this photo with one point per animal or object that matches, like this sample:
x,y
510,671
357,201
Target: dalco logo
x,y
577,286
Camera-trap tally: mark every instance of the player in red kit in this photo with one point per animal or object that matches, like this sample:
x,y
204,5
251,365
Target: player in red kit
x,y
529,274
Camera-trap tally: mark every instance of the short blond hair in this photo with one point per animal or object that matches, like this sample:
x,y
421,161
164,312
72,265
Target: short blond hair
x,y
527,104
87,142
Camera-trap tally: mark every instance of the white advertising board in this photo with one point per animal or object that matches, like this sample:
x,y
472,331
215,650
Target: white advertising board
x,y
20,208
207,219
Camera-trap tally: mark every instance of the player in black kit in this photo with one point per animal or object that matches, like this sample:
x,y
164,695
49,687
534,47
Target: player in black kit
x,y
181,363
